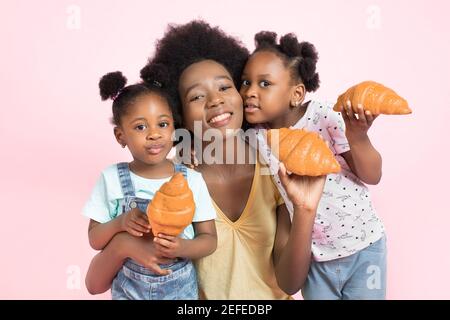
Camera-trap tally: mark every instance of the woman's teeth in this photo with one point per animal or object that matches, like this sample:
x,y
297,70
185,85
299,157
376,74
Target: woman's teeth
x,y
221,117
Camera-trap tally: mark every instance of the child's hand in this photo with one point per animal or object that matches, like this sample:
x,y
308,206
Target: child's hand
x,y
135,222
304,192
357,124
169,246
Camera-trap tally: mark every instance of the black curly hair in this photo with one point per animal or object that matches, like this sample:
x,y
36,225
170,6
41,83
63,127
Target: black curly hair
x,y
300,57
113,86
183,45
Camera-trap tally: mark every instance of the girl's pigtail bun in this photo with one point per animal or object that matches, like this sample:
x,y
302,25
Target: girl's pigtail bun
x,y
265,38
307,66
111,84
308,55
155,74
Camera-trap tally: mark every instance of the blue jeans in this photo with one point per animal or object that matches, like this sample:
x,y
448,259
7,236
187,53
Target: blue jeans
x,y
134,282
356,277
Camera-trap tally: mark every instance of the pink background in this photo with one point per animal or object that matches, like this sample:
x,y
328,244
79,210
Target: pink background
x,y
56,136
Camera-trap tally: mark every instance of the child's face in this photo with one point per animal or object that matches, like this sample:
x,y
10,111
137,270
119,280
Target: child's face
x,y
146,128
267,88
208,95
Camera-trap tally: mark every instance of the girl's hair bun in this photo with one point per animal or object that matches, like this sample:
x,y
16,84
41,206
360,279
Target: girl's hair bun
x,y
155,74
265,38
111,84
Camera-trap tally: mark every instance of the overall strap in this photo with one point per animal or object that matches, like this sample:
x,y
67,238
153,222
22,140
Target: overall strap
x,y
181,168
125,179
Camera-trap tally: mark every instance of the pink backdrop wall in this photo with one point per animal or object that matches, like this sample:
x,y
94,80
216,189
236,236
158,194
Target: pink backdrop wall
x,y
56,136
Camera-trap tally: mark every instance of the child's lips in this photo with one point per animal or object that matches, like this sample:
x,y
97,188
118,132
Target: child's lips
x,y
155,149
251,108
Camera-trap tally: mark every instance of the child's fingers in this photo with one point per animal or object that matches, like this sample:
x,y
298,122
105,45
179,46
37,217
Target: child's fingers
x,y
361,114
370,117
163,242
345,116
142,222
166,236
349,111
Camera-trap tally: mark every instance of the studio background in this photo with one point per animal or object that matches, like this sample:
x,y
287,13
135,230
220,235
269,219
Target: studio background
x,y
56,134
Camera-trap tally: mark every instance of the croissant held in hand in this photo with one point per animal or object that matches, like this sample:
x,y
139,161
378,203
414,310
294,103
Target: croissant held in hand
x,y
302,152
172,207
374,97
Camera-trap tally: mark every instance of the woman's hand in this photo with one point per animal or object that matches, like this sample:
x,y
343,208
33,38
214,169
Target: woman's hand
x,y
304,192
143,251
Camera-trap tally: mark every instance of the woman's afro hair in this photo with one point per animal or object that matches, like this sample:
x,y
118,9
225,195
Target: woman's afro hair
x,y
183,45
301,57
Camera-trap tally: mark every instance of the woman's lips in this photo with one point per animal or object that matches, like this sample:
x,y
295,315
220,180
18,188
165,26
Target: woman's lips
x,y
220,120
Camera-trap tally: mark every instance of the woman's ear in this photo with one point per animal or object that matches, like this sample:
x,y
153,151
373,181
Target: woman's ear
x,y
118,133
298,95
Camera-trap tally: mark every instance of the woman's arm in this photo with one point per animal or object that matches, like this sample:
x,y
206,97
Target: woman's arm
x,y
204,243
105,265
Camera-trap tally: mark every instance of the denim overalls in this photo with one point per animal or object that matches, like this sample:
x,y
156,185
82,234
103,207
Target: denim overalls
x,y
134,281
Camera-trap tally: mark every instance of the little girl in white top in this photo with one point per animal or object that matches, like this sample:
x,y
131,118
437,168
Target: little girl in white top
x,y
349,253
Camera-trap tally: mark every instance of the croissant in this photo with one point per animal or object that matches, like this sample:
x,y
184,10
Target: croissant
x,y
375,98
172,207
302,152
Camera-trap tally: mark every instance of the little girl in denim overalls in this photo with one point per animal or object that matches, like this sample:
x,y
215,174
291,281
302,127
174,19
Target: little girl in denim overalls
x,y
144,122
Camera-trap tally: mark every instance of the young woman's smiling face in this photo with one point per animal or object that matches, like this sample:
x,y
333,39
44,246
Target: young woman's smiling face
x,y
267,88
208,95
146,128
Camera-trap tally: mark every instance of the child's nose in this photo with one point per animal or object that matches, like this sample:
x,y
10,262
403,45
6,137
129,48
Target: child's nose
x,y
250,92
153,135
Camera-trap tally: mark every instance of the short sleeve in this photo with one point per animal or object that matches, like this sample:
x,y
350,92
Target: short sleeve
x,y
96,208
336,130
204,209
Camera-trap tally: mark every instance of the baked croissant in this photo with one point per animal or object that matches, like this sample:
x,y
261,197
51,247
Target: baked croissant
x,y
172,207
374,97
302,152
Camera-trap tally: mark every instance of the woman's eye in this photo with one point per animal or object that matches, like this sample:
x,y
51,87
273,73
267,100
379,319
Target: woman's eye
x,y
164,124
195,98
245,83
141,127
264,83
224,88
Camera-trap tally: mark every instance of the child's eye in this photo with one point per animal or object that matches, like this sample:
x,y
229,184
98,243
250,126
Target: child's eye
x,y
245,82
264,83
224,88
141,127
164,124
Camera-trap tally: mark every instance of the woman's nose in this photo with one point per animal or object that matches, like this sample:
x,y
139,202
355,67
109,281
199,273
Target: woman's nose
x,y
214,101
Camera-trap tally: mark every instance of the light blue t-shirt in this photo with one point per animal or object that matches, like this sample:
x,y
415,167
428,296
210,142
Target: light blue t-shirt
x,y
107,199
